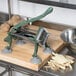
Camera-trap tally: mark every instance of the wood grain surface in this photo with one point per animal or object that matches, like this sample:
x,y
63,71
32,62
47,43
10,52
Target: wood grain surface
x,y
22,54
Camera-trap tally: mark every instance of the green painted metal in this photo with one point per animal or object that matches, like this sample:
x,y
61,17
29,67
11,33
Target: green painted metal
x,y
48,11
36,49
22,23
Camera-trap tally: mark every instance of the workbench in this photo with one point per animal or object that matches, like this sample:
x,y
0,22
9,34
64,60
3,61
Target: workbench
x,y
10,67
22,54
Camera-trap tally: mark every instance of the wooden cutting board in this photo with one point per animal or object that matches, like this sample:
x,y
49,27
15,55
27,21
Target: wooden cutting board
x,y
21,55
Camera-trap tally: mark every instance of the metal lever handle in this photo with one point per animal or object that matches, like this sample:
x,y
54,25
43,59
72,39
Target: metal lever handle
x,y
48,11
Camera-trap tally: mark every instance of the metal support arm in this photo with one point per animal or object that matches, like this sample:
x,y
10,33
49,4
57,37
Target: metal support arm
x,y
36,49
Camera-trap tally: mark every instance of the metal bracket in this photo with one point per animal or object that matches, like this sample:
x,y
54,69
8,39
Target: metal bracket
x,y
6,50
36,60
48,50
